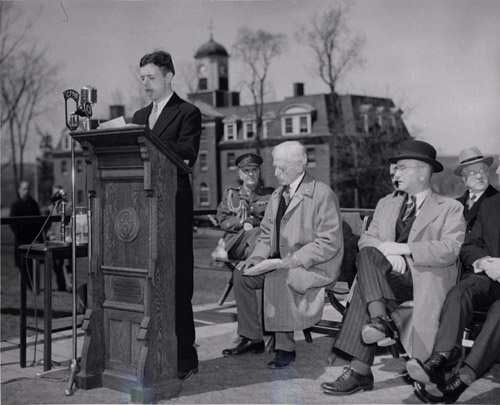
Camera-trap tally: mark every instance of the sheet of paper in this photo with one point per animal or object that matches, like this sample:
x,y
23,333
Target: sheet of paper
x,y
115,123
264,266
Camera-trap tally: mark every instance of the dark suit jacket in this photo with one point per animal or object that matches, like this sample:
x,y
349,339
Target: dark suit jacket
x,y
470,215
484,238
178,126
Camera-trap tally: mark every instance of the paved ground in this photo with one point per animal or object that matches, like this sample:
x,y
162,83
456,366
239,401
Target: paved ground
x,y
227,380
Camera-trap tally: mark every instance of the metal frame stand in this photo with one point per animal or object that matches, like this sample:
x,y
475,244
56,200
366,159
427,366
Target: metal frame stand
x,y
74,367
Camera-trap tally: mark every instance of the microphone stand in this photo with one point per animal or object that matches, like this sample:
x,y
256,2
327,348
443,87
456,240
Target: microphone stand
x,y
74,365
72,124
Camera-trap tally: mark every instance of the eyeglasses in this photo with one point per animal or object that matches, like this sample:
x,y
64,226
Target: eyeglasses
x,y
404,169
474,173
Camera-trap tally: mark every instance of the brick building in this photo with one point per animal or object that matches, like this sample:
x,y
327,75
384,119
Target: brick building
x,y
229,128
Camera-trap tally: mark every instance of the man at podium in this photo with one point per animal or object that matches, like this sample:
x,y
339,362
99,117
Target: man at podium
x,y
178,124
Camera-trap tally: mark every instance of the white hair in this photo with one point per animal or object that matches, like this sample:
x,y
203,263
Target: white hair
x,y
293,150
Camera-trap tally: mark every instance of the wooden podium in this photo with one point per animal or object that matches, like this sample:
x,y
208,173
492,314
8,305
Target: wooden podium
x,y
130,343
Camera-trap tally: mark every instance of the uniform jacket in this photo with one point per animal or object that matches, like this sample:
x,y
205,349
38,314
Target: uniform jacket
x,y
484,238
311,229
178,126
470,215
435,239
255,203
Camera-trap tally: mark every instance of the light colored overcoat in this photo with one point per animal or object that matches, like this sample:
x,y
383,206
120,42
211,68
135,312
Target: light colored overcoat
x,y
311,229
435,239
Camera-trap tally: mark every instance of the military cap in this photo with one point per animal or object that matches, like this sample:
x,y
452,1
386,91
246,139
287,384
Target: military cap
x,y
248,159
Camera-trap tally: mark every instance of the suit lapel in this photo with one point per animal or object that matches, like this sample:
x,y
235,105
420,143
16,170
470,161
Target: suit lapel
x,y
167,115
305,188
428,212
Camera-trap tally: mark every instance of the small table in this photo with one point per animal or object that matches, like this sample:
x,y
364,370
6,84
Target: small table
x,y
45,252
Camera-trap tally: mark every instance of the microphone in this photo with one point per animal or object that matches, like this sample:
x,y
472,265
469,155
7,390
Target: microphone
x,y
88,94
58,196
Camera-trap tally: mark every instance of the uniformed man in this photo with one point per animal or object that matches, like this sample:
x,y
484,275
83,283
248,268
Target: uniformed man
x,y
242,208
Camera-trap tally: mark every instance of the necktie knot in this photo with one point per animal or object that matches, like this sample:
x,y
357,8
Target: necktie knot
x,y
411,207
472,200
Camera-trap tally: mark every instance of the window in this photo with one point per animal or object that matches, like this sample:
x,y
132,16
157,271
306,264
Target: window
x,y
266,125
289,125
204,194
64,168
364,115
297,119
230,132
249,130
203,161
366,122
303,127
79,165
66,142
79,197
231,161
311,157
267,122
202,84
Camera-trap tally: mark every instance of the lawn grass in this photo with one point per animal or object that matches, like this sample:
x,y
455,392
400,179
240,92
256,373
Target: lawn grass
x,y
209,283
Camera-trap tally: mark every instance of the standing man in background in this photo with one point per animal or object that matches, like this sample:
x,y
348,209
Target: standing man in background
x,y
24,233
177,124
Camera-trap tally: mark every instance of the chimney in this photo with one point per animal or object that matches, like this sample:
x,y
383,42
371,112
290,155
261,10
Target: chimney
x,y
298,89
117,110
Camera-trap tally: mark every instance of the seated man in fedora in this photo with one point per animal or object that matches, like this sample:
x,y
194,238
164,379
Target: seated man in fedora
x,y
480,254
473,169
242,208
408,252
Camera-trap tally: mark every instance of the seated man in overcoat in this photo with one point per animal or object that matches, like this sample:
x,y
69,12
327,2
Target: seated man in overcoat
x,y
480,255
408,252
302,227
242,208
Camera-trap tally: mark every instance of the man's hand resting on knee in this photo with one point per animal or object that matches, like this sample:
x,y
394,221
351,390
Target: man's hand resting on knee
x,y
398,263
252,261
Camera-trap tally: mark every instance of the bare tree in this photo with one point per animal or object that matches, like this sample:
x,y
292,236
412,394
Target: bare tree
x,y
335,52
257,49
186,71
27,78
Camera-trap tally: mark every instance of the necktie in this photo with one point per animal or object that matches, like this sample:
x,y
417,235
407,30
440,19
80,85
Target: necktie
x,y
152,116
472,200
411,205
286,195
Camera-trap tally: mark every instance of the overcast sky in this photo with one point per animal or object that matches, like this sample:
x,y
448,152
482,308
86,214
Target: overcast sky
x,y
440,59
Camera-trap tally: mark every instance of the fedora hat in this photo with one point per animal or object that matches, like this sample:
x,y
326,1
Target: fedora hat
x,y
418,150
470,156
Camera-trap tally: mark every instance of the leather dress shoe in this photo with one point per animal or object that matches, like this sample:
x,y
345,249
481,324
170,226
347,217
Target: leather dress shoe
x,y
432,371
379,331
282,359
184,375
453,388
348,383
245,346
